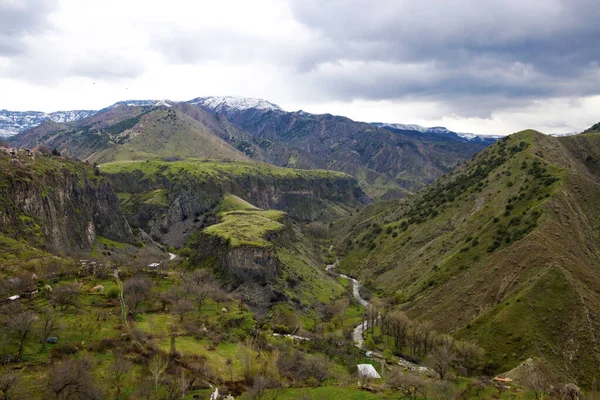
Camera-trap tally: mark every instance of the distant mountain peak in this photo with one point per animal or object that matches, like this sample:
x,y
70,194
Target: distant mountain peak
x,y
220,103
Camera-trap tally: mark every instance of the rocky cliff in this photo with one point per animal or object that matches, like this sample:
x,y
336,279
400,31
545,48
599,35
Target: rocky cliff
x,y
261,256
172,199
58,205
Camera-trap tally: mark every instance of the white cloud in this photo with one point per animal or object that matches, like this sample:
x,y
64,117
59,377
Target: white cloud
x,y
450,63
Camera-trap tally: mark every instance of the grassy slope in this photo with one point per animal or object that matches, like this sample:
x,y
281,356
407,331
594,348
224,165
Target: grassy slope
x,y
201,169
503,250
164,133
132,133
246,227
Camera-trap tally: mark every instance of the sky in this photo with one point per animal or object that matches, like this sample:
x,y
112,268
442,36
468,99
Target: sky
x,y
485,66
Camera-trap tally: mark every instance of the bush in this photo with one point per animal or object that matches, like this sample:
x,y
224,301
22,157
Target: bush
x,y
112,293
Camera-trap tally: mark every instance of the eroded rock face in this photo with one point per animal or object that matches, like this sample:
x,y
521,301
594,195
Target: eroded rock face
x,y
59,206
188,200
253,272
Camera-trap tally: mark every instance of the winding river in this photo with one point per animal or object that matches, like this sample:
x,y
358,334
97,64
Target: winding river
x,y
357,334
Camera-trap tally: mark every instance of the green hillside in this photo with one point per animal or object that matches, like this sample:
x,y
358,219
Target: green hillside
x,y
132,133
503,250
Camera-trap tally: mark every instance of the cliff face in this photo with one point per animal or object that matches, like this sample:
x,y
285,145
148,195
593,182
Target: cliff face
x,y
280,267
58,205
172,199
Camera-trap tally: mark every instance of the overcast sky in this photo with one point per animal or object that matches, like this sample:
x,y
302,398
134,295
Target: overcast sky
x,y
485,66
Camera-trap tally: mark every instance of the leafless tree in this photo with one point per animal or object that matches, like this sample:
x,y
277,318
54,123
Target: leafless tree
x,y
20,326
73,379
571,392
182,307
260,386
49,322
469,356
184,381
396,326
44,149
136,290
199,285
65,296
340,306
118,374
9,381
157,366
409,385
440,359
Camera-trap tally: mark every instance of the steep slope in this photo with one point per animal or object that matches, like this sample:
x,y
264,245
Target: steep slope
x,y
387,164
131,132
50,204
504,250
262,256
171,200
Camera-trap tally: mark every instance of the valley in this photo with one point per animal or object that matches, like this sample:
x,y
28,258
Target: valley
x,y
170,250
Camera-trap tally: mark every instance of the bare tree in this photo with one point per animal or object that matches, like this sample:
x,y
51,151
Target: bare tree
x,y
199,285
410,385
182,307
9,381
260,386
118,374
49,322
571,392
20,326
340,306
136,290
184,381
157,366
396,326
65,296
44,149
73,379
440,359
469,356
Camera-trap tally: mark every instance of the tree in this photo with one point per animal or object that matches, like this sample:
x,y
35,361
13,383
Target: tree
x,y
73,379
20,326
157,366
9,381
48,324
409,385
65,296
440,359
469,356
538,378
44,149
199,285
136,290
396,326
182,307
118,374
340,306
55,152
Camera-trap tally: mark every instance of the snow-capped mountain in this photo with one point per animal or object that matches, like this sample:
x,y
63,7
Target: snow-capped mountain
x,y
441,131
13,122
139,103
230,103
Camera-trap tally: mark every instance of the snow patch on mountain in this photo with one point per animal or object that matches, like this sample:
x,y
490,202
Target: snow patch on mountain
x,y
225,103
439,130
13,122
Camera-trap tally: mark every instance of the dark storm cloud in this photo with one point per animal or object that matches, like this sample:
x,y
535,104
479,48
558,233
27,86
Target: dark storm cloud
x,y
21,18
461,51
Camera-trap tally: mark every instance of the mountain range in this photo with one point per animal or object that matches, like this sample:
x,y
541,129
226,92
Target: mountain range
x,y
387,162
